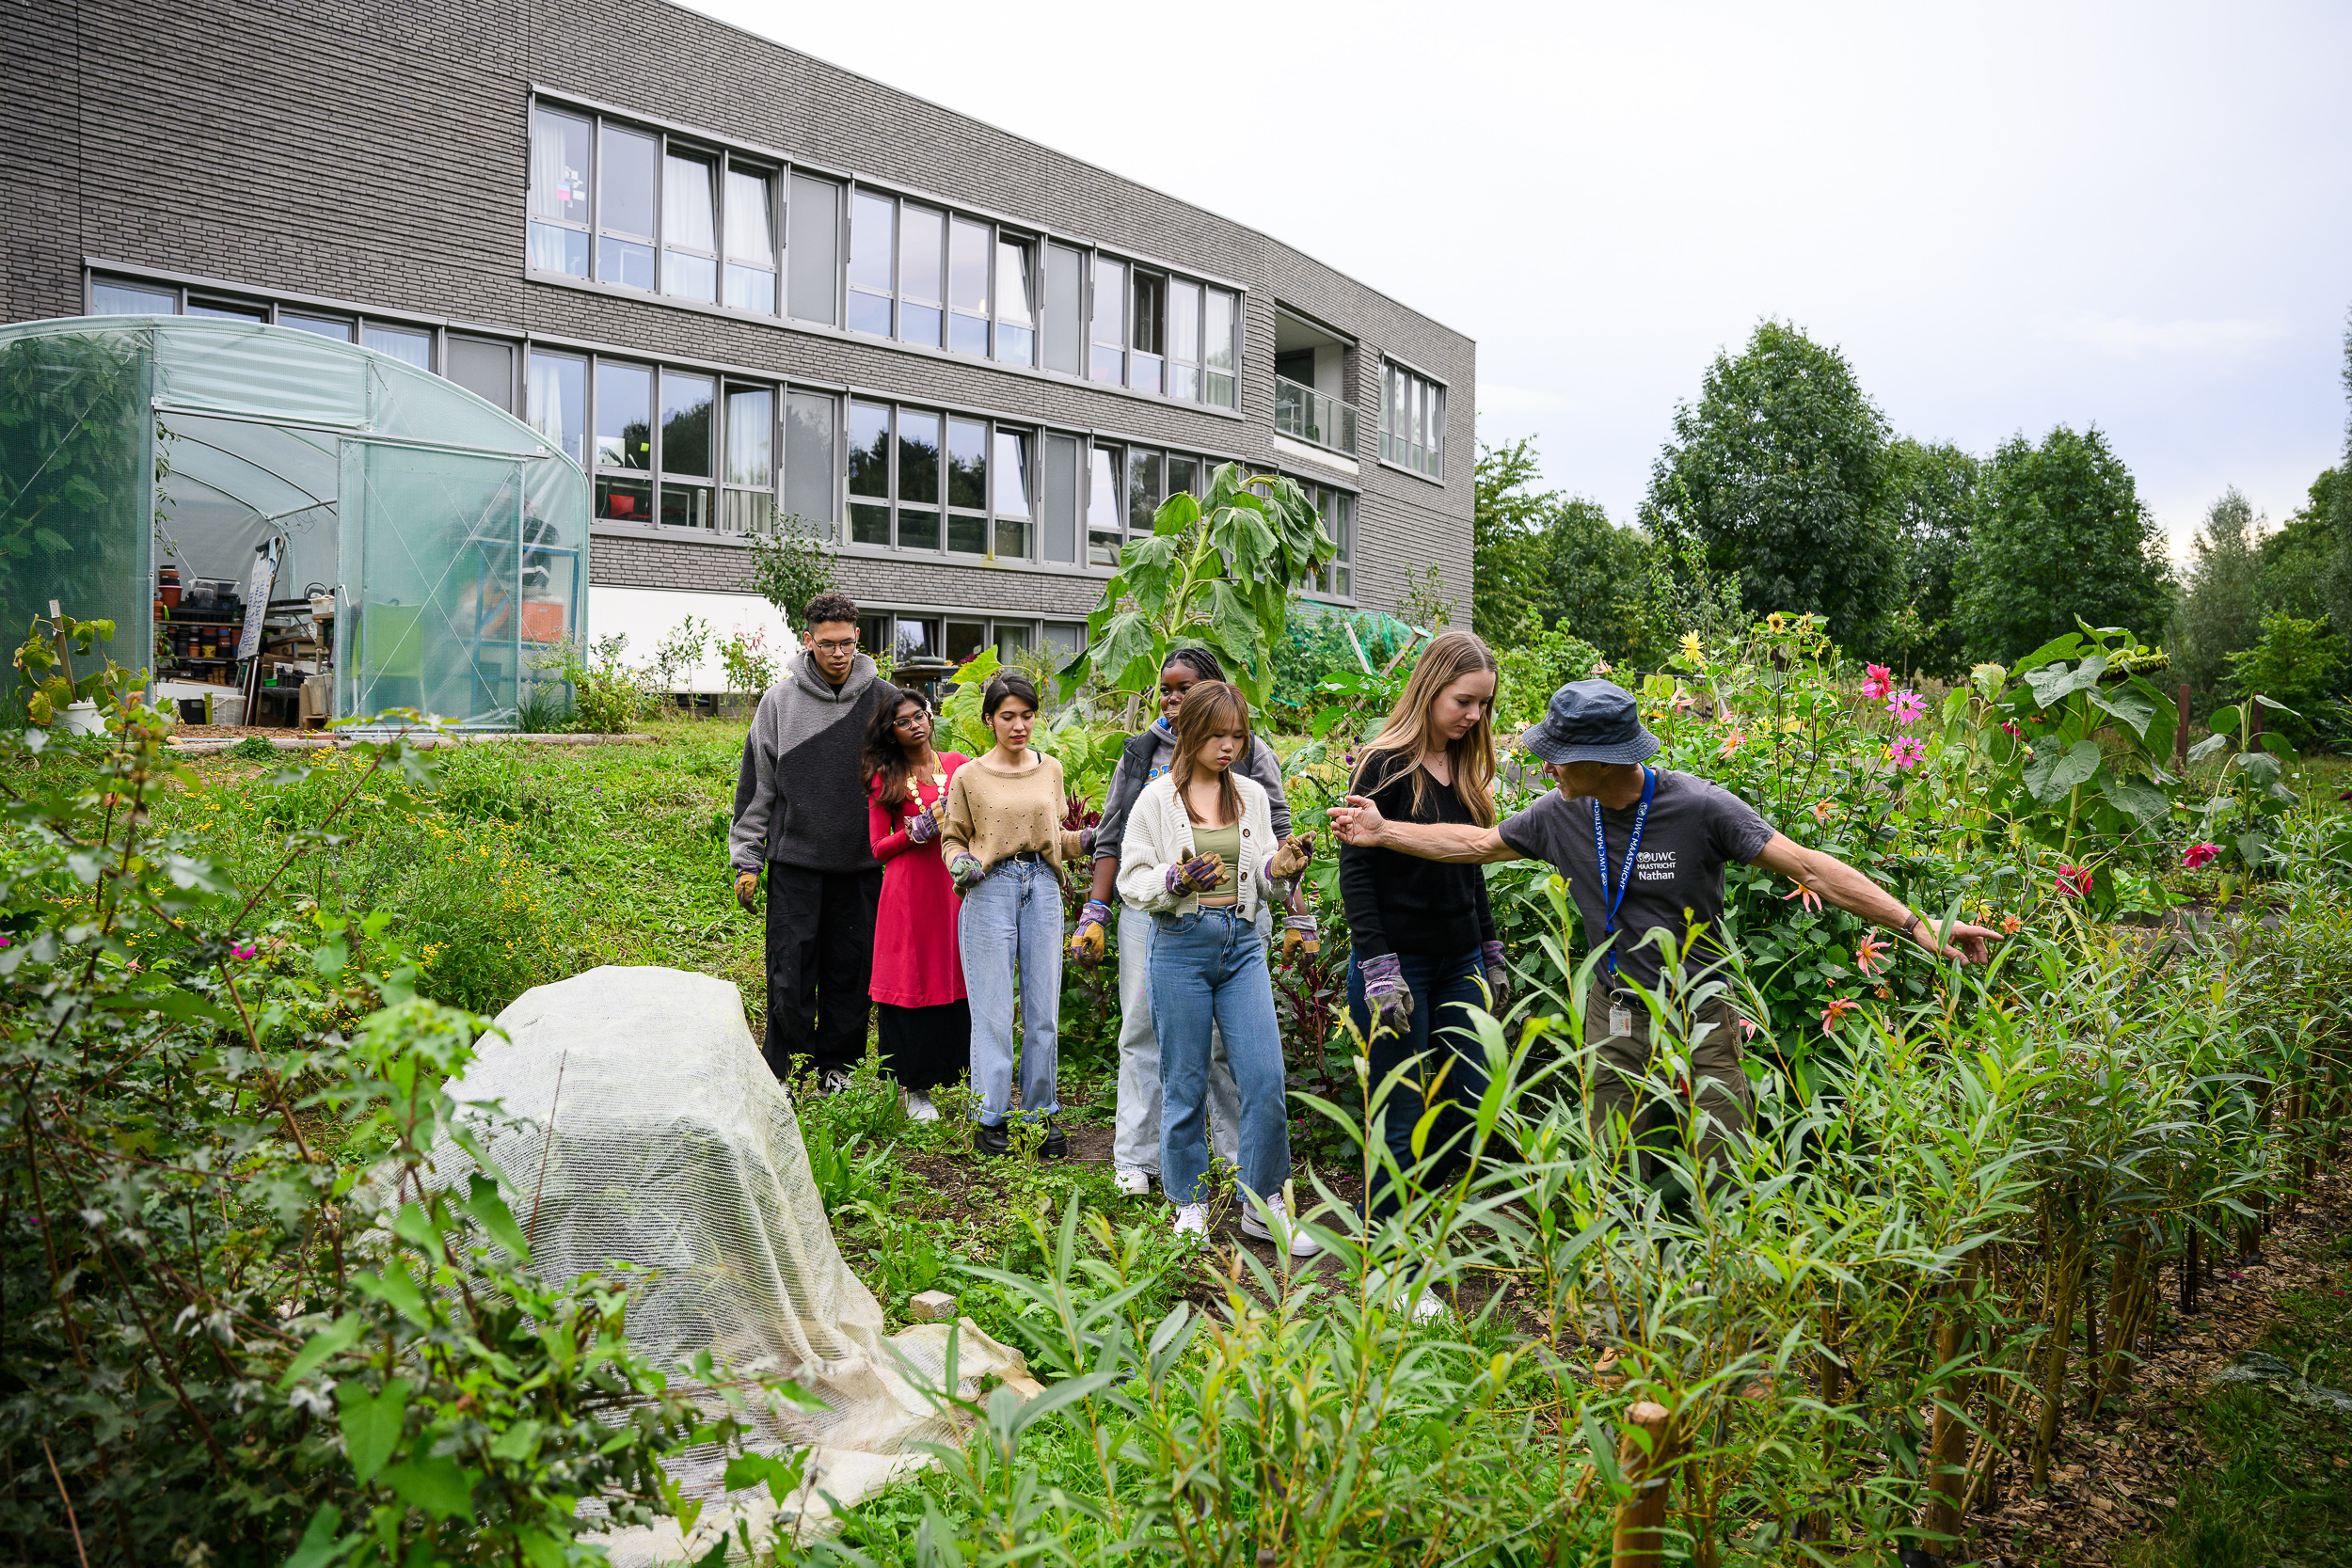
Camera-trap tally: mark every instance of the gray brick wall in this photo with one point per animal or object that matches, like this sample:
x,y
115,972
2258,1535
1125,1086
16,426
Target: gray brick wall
x,y
374,152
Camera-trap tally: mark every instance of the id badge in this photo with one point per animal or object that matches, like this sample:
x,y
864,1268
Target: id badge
x,y
1620,1020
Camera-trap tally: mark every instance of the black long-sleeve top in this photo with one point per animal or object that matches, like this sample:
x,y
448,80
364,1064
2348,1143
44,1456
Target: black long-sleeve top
x,y
1400,903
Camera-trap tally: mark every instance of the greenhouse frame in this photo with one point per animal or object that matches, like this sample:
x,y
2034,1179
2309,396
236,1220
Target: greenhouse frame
x,y
248,490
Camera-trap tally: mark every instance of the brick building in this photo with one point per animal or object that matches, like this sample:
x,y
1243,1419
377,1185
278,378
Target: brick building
x,y
731,280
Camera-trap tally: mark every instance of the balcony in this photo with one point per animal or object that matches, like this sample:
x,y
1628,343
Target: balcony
x,y
1304,414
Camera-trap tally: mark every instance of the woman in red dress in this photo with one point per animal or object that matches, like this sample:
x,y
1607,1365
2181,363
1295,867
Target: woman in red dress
x,y
926,1022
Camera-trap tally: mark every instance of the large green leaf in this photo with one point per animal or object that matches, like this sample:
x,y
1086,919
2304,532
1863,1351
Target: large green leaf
x,y
2049,653
1176,514
1126,654
337,1335
2133,707
1242,538
2137,798
2052,773
2207,747
2053,684
371,1425
435,1484
497,1221
1150,569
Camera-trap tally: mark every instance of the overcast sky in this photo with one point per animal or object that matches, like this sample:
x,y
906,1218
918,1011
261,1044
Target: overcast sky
x,y
2137,216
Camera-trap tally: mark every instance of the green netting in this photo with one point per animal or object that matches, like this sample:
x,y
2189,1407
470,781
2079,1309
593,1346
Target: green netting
x,y
454,538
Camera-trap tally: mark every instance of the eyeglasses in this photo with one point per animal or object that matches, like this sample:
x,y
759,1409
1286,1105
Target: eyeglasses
x,y
912,721
847,644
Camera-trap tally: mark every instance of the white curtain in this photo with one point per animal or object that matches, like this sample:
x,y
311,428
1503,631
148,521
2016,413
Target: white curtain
x,y
686,205
547,406
749,238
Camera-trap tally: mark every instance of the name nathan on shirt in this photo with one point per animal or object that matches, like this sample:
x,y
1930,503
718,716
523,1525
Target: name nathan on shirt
x,y
1655,865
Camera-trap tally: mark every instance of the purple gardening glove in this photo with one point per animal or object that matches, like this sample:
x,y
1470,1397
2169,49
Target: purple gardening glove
x,y
1197,875
1498,978
967,871
1386,993
923,827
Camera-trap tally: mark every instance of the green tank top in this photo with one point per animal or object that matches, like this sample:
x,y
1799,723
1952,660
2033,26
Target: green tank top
x,y
1220,841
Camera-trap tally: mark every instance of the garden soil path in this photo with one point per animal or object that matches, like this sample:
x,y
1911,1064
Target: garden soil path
x,y
2114,1480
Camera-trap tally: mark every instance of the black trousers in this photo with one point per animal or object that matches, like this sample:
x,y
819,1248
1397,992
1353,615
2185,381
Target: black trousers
x,y
821,962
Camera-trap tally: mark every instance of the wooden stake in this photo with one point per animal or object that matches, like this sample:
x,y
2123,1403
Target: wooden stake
x,y
2180,736
1947,1434
1639,1541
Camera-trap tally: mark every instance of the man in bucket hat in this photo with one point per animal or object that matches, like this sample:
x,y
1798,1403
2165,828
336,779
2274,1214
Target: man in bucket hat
x,y
1643,850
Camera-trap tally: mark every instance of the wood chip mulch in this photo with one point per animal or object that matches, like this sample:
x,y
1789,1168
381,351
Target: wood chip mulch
x,y
2114,1480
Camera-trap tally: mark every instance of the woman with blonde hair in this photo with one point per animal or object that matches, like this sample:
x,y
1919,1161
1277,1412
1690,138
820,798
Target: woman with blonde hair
x,y
1425,950
1199,857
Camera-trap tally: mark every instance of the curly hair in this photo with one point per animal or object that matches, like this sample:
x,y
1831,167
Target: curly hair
x,y
829,606
1199,660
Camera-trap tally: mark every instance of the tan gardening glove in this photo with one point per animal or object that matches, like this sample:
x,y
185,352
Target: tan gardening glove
x,y
1291,859
1086,943
747,891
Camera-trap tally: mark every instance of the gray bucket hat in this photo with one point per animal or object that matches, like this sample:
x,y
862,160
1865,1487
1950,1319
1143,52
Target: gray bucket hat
x,y
1592,720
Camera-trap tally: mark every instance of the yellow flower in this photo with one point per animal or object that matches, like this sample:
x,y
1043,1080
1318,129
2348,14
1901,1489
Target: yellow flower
x,y
1692,649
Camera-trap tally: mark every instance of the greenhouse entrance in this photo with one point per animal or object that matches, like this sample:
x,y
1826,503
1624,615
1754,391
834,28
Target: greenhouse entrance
x,y
285,528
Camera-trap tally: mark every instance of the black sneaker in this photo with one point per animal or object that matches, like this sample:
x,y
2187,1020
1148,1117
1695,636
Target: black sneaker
x,y
991,1140
1056,1144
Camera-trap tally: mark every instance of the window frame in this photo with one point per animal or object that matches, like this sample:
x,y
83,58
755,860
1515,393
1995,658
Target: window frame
x,y
271,308
1393,442
989,517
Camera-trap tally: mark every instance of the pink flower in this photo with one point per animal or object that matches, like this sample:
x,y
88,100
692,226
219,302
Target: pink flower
x,y
1822,809
242,950
1878,681
1906,706
1835,1014
1747,1031
1907,752
1869,954
1812,899
1684,702
2199,854
1732,744
2009,727
2075,881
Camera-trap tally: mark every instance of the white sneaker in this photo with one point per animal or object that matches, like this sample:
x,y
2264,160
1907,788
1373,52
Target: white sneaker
x,y
919,1107
834,1080
1192,1219
1429,1308
1301,1244
1132,1179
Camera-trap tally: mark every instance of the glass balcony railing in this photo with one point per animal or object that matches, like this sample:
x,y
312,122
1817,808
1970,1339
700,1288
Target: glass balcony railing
x,y
1307,414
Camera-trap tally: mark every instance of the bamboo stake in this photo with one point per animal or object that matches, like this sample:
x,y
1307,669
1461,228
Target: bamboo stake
x,y
1947,1434
1638,1539
2065,1286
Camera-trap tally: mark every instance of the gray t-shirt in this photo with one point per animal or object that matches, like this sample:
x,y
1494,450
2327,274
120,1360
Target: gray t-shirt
x,y
1694,828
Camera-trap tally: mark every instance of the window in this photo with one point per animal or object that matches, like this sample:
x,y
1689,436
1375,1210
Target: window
x,y
922,233
1009,495
1105,506
870,473
751,242
1338,511
559,402
1016,301
559,192
750,497
690,240
624,442
1183,476
1144,470
965,639
919,481
967,488
1063,641
873,247
1108,331
1183,341
1150,341
324,326
238,310
108,298
1219,349
1012,641
809,490
482,366
1413,421
403,344
813,249
624,207
967,286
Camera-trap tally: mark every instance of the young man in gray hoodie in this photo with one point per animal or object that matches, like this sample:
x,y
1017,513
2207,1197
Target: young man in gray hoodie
x,y
799,809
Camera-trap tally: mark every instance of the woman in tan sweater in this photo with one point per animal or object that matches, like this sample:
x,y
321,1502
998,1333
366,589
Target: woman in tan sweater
x,y
1001,834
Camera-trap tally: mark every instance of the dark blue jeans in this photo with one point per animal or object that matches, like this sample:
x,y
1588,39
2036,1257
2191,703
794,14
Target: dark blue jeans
x,y
1444,991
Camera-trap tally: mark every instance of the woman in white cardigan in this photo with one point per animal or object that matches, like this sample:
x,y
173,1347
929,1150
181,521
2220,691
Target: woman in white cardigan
x,y
1199,857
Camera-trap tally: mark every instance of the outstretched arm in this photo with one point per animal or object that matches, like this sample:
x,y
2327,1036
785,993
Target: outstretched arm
x,y
1840,884
1359,823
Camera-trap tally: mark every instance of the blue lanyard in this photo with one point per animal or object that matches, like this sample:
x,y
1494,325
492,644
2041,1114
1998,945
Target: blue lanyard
x,y
1610,902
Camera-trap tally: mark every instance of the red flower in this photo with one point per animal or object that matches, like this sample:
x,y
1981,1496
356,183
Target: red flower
x,y
1835,1014
2075,881
2199,854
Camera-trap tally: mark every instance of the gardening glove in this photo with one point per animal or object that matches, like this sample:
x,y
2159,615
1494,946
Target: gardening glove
x,y
1498,978
1085,942
1299,935
923,827
1197,875
1386,993
966,871
1291,859
1086,842
747,891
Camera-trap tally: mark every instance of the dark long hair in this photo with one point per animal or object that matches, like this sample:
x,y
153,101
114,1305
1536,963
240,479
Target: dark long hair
x,y
1209,708
884,756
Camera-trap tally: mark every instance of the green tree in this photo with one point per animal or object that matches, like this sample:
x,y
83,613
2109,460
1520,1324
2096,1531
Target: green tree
x,y
1591,572
790,565
1779,473
2294,663
2063,536
1508,520
1935,494
2300,562
2221,598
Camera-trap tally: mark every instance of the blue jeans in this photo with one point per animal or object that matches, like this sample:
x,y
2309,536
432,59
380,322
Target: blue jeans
x,y
1444,990
1009,929
1209,967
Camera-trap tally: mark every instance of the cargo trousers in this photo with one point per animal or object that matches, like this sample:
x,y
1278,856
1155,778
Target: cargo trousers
x,y
1622,1103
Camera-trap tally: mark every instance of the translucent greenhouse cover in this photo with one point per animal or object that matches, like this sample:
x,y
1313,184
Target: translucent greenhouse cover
x,y
454,537
633,1120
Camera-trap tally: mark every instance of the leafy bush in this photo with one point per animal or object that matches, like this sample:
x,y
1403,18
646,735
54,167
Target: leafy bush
x,y
1532,666
2295,663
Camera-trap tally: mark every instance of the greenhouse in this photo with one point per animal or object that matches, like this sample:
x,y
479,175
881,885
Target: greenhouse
x,y
284,529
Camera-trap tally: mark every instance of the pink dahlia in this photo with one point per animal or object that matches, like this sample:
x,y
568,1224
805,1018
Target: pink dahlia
x,y
1835,1014
1906,706
1878,681
1907,752
2075,881
2199,854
